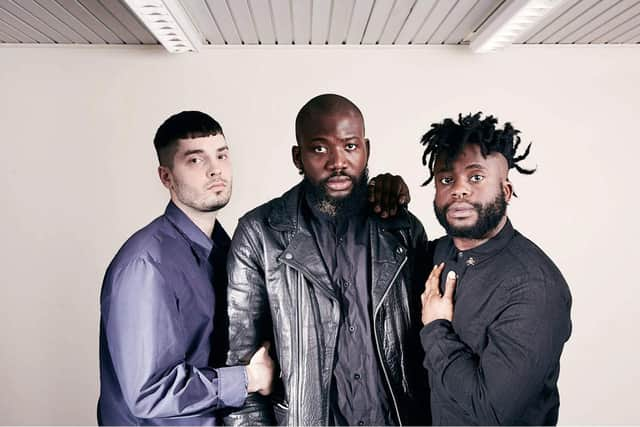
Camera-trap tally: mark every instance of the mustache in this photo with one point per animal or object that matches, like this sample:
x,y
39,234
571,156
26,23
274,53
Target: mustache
x,y
338,174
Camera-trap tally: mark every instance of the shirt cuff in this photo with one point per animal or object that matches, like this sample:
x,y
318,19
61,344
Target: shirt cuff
x,y
232,383
430,335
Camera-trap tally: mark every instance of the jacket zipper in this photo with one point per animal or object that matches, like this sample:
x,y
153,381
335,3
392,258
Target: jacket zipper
x,y
299,345
375,334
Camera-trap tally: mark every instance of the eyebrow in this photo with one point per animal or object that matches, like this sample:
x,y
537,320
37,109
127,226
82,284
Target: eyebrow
x,y
224,148
471,166
194,151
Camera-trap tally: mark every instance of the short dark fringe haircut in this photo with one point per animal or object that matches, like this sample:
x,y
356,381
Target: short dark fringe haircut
x,y
184,125
450,137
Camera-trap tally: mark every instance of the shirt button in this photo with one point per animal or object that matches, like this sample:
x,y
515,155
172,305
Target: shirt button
x,y
346,284
356,376
288,255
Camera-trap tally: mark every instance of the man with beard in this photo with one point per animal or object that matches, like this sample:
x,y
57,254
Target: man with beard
x,y
159,295
497,359
334,287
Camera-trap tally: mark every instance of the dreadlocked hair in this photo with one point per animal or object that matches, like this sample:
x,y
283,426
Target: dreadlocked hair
x,y
450,137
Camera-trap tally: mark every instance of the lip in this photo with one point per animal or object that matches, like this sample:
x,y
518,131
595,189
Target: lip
x,y
460,210
339,183
217,185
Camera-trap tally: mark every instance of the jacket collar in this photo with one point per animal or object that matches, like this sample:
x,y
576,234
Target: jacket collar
x,y
286,214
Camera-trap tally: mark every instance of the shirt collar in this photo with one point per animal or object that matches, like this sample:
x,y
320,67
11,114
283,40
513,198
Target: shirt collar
x,y
183,223
487,249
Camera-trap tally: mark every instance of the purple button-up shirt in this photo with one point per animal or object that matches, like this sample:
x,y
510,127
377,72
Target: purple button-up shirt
x,y
157,307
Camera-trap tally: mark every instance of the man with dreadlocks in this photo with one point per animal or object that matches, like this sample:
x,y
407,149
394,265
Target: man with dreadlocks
x,y
496,360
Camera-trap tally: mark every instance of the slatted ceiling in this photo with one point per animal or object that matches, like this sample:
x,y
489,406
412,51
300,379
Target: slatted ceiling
x,y
545,21
131,22
6,38
282,21
359,19
399,15
23,15
596,8
452,21
619,30
377,21
56,24
626,35
434,20
574,12
261,14
301,11
416,18
610,25
103,15
595,23
54,8
244,21
340,20
227,27
634,39
204,21
320,19
476,15
21,27
81,13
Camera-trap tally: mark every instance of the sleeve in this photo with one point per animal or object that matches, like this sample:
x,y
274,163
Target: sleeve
x,y
146,341
523,343
249,318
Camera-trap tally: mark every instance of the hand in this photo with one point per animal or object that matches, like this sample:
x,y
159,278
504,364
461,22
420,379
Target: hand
x,y
434,305
260,371
387,193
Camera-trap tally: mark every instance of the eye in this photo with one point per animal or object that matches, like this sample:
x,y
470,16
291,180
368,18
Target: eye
x,y
350,146
476,178
195,160
319,149
223,156
446,180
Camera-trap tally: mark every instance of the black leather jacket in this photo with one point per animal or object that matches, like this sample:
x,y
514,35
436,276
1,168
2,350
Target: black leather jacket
x,y
279,291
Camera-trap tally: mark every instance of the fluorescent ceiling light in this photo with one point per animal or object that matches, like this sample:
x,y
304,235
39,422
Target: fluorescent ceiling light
x,y
511,20
168,22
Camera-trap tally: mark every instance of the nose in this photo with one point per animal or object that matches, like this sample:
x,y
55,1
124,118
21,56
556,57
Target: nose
x,y
337,159
214,169
460,189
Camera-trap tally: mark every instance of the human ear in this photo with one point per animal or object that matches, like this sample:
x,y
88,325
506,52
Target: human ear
x,y
297,160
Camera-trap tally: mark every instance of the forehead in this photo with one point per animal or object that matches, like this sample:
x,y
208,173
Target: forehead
x,y
211,142
471,156
340,124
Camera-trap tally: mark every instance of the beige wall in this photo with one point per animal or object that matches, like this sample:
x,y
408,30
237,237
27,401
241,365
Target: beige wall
x,y
78,177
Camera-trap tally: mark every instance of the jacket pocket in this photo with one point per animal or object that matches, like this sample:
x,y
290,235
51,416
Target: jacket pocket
x,y
281,412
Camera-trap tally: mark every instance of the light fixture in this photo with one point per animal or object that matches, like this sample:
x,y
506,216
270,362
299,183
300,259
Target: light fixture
x,y
168,22
511,20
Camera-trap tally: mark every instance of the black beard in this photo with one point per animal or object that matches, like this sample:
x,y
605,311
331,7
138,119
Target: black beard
x,y
334,206
489,216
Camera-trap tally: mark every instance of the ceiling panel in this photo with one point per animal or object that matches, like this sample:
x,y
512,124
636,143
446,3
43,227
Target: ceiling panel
x,y
51,20
6,38
416,18
239,9
621,30
377,21
261,14
320,21
546,20
83,15
575,12
204,21
220,10
611,24
301,18
341,14
359,19
452,21
397,19
282,21
596,9
19,26
124,16
62,14
434,20
22,14
101,13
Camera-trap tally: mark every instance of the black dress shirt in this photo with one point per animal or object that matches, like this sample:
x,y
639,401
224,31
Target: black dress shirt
x,y
498,361
358,395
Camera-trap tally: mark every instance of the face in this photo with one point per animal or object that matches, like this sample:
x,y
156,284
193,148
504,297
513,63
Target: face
x,y
333,153
200,178
472,193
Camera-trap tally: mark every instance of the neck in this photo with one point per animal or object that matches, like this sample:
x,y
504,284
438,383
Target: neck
x,y
465,244
203,220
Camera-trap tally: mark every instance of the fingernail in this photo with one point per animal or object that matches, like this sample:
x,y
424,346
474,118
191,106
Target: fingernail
x,y
451,275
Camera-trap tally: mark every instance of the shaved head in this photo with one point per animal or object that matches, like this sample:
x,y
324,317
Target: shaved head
x,y
325,105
